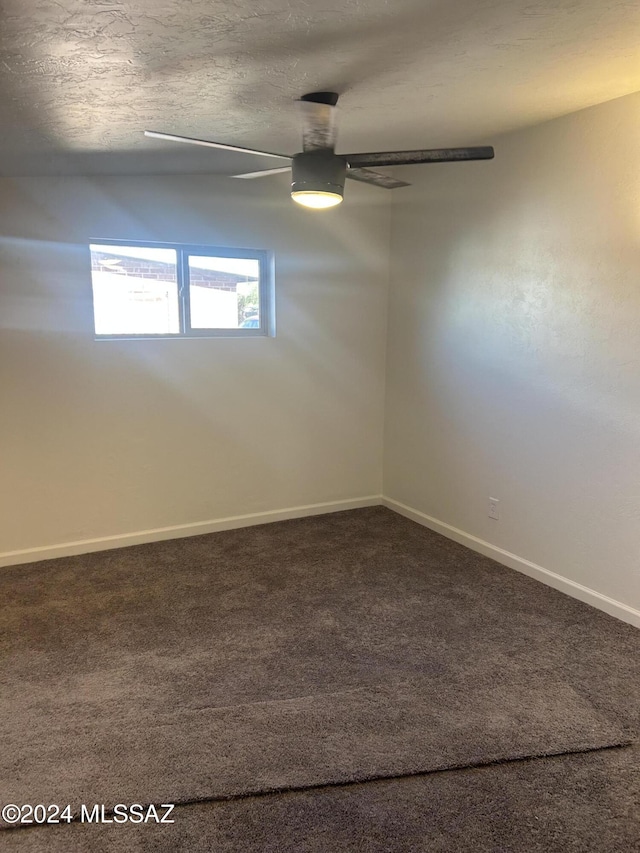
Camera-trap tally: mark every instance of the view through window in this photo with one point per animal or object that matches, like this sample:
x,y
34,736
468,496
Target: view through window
x,y
178,290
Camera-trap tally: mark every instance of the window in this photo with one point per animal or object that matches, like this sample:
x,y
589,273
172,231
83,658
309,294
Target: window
x,y
170,290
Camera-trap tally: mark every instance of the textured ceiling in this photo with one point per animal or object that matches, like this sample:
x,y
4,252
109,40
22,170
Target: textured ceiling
x,y
81,79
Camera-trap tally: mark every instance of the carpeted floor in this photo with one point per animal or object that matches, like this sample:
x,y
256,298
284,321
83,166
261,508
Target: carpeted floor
x,y
335,649
577,803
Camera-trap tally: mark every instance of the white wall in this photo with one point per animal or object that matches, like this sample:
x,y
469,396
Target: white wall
x,y
107,438
513,366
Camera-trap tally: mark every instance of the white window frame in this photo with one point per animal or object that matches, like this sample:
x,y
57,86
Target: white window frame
x,y
183,252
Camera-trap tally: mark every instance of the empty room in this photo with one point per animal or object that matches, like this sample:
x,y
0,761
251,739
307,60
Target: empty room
x,y
319,426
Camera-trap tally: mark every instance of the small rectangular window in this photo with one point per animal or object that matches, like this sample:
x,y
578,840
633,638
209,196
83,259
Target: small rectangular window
x,y
175,290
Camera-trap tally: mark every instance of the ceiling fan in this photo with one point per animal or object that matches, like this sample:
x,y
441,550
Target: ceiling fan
x,y
318,173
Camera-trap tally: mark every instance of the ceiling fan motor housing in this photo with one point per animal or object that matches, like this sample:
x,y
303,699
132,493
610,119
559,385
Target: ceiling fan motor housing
x,y
319,172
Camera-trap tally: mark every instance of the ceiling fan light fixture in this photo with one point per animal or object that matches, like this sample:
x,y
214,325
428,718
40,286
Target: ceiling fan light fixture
x,y
316,199
317,179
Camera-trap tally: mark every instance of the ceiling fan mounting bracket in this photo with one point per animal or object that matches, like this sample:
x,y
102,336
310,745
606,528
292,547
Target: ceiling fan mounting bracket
x,y
328,98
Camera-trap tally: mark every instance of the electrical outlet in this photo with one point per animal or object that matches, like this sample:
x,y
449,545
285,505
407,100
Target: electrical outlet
x,y
494,508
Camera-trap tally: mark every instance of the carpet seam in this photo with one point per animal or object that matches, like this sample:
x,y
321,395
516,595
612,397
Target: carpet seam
x,y
278,791
408,775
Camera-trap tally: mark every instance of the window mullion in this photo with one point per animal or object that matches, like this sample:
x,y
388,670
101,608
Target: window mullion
x,y
183,291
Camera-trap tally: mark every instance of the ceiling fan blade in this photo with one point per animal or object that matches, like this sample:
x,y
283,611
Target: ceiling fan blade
x,y
407,158
263,172
368,176
171,138
318,112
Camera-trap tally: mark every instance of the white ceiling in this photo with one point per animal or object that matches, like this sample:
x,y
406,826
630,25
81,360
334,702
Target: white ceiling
x,y
81,80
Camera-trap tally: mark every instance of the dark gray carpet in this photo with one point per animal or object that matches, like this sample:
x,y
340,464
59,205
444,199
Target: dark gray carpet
x,y
586,803
328,649
360,734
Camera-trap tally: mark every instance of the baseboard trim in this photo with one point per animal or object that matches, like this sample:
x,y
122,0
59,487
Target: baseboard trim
x,y
596,599
178,531
158,534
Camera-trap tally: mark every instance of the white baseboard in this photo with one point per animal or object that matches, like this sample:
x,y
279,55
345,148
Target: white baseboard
x,y
104,543
506,558
572,588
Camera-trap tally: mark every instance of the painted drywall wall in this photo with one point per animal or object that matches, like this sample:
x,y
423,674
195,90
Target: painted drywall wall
x,y
513,363
112,437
